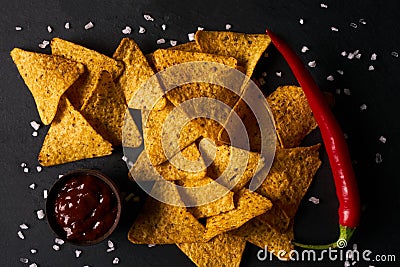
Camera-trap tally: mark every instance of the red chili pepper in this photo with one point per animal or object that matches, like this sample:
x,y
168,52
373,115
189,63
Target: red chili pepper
x,y
335,145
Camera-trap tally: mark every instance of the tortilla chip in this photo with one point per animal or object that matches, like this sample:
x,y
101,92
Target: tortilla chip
x,y
188,47
221,251
292,113
160,223
94,62
248,205
71,138
137,69
221,162
105,109
298,166
223,204
246,48
266,237
131,136
47,77
276,218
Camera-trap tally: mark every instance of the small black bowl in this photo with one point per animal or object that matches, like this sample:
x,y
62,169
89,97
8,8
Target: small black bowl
x,y
57,187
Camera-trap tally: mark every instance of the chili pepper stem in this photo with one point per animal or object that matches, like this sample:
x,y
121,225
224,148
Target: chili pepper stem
x,y
344,237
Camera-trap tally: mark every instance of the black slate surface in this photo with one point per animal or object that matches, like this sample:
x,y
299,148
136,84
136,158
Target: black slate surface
x,y
378,90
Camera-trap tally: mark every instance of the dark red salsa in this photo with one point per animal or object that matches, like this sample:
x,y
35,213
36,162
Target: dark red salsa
x,y
85,208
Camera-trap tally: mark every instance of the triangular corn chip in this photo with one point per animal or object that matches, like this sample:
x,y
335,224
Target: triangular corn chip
x,y
131,136
71,138
94,62
47,77
221,251
246,48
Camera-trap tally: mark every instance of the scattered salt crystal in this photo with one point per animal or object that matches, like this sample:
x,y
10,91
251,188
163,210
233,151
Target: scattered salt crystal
x,y
56,247
330,78
228,27
23,164
127,30
33,265
173,42
148,17
382,139
60,175
40,214
110,244
199,28
89,25
395,54
115,260
23,260
163,27
340,72
142,29
23,226
34,133
264,74
278,73
32,186
362,21
161,41
67,25
371,67
191,36
124,158
304,49
346,91
26,170
301,21
334,29
20,235
324,5
38,168
358,56
110,249
353,25
363,107
18,28
33,251
314,200
312,64
344,53
130,164
353,54
378,158
59,241
44,44
78,253
151,245
373,56
49,29
338,91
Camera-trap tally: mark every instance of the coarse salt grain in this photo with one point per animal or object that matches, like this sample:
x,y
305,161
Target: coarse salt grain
x,y
26,170
115,260
337,91
124,158
56,247
24,260
330,78
346,91
324,5
18,28
395,54
312,64
40,214
163,27
151,245
382,139
173,42
148,17
354,263
44,44
60,175
130,164
160,41
33,265
67,25
373,56
89,25
343,53
301,21
23,164
23,226
45,194
340,72
32,186
59,241
304,49
334,29
363,107
20,235
278,73
110,250
362,21
191,36
38,168
358,56
371,68
110,244
314,200
228,27
33,251
35,125
49,29
34,133
199,28
127,30
353,25
78,253
142,29
378,158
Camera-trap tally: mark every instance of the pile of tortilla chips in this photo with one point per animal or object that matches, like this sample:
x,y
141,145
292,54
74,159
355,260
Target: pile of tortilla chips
x,y
83,95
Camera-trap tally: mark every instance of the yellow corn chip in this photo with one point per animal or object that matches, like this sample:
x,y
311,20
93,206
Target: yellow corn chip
x,y
276,218
160,223
105,109
292,114
47,77
223,204
188,47
246,48
94,62
221,251
71,138
248,205
131,136
266,237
